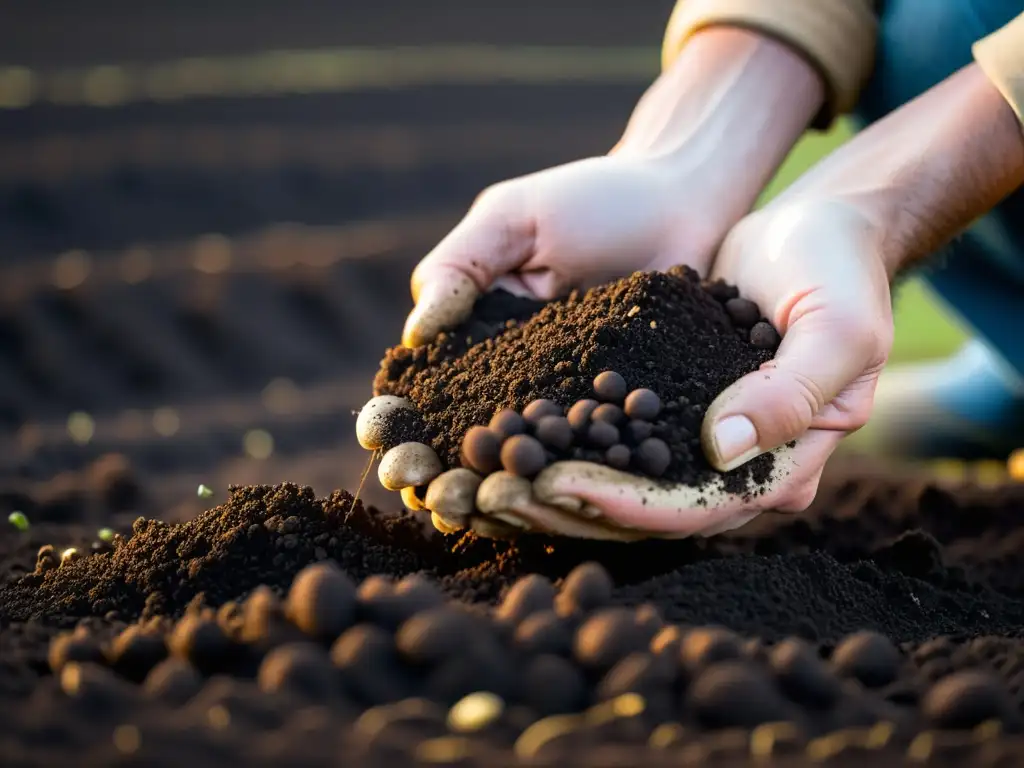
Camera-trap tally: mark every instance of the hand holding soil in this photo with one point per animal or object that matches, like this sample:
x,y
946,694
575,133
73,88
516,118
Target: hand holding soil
x,y
581,416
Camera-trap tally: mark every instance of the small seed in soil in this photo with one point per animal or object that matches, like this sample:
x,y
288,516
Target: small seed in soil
x,y
743,312
602,434
763,336
610,413
481,449
722,291
580,413
643,404
653,456
610,387
538,409
617,456
507,422
637,431
523,455
554,431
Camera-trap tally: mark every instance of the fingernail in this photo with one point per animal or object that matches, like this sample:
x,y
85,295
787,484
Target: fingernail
x,y
735,441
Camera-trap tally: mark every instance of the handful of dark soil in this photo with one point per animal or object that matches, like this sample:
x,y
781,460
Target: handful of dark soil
x,y
682,340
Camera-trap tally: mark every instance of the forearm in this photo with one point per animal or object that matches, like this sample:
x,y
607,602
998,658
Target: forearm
x,y
729,108
925,172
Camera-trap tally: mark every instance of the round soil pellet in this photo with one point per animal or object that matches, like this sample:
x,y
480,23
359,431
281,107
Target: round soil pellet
x,y
322,601
301,668
506,423
135,652
743,312
610,387
966,699
763,336
601,434
481,449
369,663
608,636
553,685
587,587
639,672
722,291
73,646
618,456
643,404
538,409
802,675
610,413
555,432
544,632
580,413
868,656
638,431
175,681
528,595
434,635
653,456
708,645
735,694
523,455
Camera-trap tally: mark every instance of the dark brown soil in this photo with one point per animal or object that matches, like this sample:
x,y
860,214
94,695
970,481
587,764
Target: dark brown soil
x,y
907,595
660,331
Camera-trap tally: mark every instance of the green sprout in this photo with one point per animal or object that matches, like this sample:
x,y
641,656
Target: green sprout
x,y
204,491
106,534
19,520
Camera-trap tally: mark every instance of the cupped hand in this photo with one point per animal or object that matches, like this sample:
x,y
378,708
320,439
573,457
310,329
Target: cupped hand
x,y
815,270
813,267
571,226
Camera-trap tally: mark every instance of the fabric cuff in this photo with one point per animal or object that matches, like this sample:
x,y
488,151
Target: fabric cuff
x,y
837,37
1001,57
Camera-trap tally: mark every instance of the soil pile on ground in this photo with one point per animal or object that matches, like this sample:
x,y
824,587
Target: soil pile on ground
x,y
262,535
665,332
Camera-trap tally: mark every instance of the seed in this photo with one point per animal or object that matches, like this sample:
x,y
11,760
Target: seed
x,y
763,336
481,449
602,434
743,312
643,404
580,413
609,413
538,409
507,422
638,431
19,520
204,492
653,456
554,431
617,456
523,455
610,387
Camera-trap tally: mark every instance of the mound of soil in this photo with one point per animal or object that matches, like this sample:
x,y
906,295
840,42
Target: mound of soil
x,y
366,636
660,331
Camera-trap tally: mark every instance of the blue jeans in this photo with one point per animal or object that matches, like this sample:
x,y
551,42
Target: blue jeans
x,y
981,275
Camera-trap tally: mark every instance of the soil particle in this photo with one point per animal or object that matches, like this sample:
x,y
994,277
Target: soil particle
x,y
596,345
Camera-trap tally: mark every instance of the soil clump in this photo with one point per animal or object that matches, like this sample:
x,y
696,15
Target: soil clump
x,y
664,332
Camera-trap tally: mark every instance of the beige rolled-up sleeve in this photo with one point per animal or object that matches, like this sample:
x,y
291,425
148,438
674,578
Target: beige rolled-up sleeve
x,y
837,37
1001,57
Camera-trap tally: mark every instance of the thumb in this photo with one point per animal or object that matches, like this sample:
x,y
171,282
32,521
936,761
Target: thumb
x,y
494,238
822,354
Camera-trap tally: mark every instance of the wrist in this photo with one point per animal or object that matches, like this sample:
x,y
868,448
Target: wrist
x,y
925,172
725,115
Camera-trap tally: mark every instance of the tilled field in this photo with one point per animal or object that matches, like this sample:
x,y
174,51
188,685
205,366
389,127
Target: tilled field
x,y
164,323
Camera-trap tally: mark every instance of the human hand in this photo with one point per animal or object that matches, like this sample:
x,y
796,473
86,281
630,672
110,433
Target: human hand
x,y
691,162
815,269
